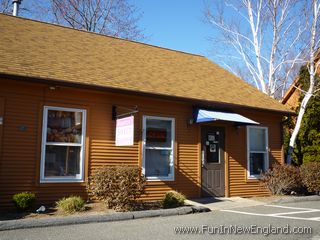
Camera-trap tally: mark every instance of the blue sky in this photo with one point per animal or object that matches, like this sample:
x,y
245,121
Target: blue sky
x,y
175,24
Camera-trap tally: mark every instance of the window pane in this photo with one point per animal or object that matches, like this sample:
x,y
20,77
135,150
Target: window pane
x,y
158,133
157,163
64,126
257,163
213,147
257,139
62,161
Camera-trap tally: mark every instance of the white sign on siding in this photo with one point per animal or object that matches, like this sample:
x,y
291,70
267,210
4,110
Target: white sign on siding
x,y
125,131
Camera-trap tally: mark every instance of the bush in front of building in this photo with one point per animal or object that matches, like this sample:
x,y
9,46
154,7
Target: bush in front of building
x,y
173,199
282,179
71,204
117,186
24,200
310,175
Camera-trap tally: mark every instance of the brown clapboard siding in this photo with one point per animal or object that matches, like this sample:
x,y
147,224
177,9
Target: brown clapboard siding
x,y
186,163
19,148
20,169
20,154
237,150
105,152
2,105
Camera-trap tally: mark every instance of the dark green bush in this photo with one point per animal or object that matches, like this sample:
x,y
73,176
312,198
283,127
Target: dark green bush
x,y
117,186
310,174
71,204
173,199
24,200
282,179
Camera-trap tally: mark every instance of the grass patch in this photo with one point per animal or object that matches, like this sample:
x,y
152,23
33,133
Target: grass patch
x,y
71,204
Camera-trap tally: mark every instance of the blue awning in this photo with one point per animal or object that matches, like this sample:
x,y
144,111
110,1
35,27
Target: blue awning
x,y
201,115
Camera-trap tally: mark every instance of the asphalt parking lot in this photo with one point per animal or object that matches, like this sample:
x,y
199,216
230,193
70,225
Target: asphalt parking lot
x,y
293,221
295,211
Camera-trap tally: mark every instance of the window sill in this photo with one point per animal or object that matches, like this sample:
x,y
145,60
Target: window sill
x,y
65,180
253,178
156,179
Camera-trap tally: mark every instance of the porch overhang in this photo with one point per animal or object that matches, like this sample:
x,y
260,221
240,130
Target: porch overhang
x,y
202,115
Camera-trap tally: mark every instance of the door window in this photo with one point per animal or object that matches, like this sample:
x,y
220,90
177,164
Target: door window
x,y
212,146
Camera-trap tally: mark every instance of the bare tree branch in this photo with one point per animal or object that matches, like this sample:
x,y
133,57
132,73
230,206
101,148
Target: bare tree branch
x,y
270,34
6,6
117,18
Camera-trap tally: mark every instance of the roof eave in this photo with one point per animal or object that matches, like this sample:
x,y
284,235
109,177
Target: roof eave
x,y
139,93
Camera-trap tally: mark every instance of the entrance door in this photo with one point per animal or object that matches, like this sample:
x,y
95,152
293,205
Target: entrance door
x,y
212,157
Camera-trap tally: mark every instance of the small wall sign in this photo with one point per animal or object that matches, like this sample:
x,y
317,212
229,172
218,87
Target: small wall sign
x,y
125,131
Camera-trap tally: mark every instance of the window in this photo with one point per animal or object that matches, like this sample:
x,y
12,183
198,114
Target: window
x,y
158,145
63,136
257,143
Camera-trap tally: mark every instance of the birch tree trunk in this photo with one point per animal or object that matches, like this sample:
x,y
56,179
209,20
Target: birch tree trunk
x,y
314,43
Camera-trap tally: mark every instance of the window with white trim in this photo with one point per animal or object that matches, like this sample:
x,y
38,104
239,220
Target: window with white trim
x,y
63,143
257,144
158,148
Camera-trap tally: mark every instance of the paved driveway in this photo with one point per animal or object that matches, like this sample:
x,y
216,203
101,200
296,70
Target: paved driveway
x,y
299,218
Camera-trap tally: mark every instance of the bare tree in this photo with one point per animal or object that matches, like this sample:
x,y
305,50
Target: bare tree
x,y
313,68
116,18
6,6
262,38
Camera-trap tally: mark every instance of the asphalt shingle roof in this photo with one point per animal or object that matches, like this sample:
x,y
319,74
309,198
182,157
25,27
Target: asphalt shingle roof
x,y
46,51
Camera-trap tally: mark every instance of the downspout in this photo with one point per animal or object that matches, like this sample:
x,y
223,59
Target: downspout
x,y
16,4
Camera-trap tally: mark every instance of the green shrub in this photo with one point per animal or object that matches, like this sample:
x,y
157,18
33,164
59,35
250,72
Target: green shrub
x,y
24,200
71,204
282,179
310,174
173,199
117,186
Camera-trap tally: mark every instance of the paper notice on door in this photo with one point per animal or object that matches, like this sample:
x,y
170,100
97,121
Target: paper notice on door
x,y
213,148
211,138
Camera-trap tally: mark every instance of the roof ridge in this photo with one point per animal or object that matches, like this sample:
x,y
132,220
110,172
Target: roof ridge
x,y
101,35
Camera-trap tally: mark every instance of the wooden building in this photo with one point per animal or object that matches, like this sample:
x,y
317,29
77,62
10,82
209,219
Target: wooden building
x,y
292,96
198,129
